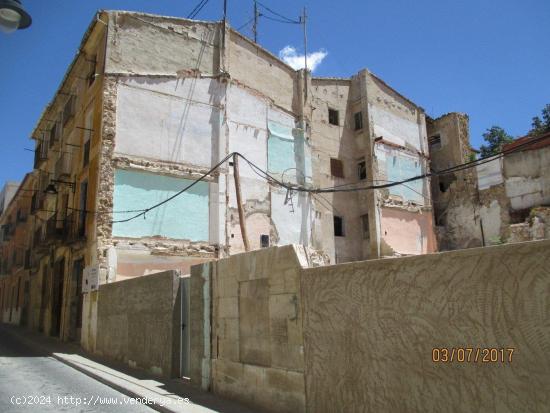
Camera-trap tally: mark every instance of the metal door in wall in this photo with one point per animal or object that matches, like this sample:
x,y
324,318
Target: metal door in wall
x,y
184,323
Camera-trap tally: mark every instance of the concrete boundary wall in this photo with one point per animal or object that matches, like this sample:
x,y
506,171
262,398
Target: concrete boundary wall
x,y
269,331
138,322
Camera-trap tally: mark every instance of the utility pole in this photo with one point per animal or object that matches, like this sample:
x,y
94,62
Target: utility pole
x,y
304,22
224,11
255,27
242,221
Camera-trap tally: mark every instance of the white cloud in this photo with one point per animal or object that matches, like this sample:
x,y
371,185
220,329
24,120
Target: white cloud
x,y
289,55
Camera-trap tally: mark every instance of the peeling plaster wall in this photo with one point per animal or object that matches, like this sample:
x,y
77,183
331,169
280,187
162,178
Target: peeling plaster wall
x,y
170,120
406,233
527,176
186,217
171,45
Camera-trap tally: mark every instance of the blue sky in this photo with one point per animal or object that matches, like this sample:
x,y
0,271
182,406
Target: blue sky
x,y
488,58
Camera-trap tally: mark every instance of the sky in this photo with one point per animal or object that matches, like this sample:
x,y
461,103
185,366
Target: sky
x,y
487,58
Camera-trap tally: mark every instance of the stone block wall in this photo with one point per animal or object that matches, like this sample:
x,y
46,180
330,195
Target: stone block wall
x,y
355,337
138,322
256,346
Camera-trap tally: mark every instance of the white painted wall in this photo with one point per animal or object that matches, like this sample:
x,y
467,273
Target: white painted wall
x,y
394,128
489,174
171,120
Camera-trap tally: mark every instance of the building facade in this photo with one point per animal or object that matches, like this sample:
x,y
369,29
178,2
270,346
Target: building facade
x,y
500,200
151,104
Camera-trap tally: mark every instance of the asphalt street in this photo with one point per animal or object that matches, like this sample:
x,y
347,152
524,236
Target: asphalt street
x,y
31,381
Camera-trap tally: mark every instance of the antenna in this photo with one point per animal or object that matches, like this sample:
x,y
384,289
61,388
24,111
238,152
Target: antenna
x,y
255,26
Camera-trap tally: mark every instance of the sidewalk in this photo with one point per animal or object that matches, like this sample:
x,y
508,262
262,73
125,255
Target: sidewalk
x,y
166,393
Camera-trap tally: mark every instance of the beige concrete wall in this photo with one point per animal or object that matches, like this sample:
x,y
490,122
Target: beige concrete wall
x,y
137,322
370,328
255,352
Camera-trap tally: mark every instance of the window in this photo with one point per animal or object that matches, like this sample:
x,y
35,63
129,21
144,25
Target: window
x,y
362,170
358,118
69,109
83,204
86,154
336,168
435,143
53,134
333,117
92,73
264,241
338,226
365,226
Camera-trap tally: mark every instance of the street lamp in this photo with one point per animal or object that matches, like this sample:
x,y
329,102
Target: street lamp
x,y
13,16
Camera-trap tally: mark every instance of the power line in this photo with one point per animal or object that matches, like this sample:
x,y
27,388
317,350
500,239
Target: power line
x,y
197,9
272,180
245,24
288,20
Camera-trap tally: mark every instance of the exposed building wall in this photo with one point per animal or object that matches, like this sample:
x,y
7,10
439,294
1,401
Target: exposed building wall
x,y
479,206
138,322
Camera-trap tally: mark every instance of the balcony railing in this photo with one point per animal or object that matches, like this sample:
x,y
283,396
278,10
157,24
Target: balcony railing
x,y
39,239
55,229
63,166
75,226
40,153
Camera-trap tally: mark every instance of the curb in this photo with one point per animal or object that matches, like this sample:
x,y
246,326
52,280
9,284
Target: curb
x,y
122,389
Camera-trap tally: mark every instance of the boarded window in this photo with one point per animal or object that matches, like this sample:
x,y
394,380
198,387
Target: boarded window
x,y
365,226
338,226
336,168
435,143
333,117
362,170
358,120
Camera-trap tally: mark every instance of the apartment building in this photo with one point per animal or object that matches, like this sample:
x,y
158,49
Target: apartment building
x,y
151,104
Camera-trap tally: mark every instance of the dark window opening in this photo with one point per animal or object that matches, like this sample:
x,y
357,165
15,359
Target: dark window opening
x,y
86,154
83,206
333,117
336,168
338,226
365,226
264,241
69,109
362,170
92,74
443,186
358,118
435,143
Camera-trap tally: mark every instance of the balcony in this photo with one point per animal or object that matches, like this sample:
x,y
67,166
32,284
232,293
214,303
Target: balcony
x,y
55,229
40,154
39,240
75,227
63,166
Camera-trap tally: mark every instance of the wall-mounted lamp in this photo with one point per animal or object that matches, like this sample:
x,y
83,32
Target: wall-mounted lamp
x,y
13,16
51,189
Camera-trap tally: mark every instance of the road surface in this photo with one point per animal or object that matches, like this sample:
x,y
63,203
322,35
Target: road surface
x,y
31,381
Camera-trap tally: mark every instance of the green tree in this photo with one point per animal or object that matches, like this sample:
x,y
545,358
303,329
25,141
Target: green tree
x,y
541,125
495,137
